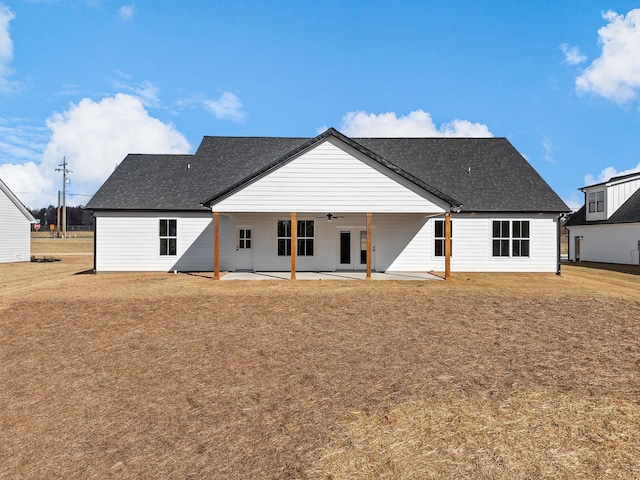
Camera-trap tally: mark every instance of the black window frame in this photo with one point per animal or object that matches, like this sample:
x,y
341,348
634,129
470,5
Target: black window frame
x,y
168,237
511,238
521,238
501,235
305,238
439,238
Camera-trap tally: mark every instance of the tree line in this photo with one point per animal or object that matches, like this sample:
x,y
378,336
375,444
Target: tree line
x,y
76,216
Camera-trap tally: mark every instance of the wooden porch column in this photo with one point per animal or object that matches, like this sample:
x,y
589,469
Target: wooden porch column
x,y
216,245
294,244
447,246
368,245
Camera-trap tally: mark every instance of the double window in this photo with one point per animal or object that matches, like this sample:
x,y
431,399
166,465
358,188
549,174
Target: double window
x,y
304,236
596,201
439,238
168,237
510,238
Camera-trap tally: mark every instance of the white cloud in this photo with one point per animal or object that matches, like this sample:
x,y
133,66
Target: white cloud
x,y
229,106
126,12
19,142
572,55
607,174
416,124
94,137
574,202
27,182
146,91
547,145
6,46
615,75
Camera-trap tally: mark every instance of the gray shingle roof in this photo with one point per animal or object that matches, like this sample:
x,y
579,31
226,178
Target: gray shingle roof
x,y
483,174
629,212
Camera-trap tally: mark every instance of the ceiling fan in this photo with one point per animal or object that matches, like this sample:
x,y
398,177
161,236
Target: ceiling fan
x,y
329,217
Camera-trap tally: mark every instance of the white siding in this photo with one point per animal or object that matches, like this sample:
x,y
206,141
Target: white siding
x,y
401,242
331,178
405,242
15,245
619,193
606,243
472,245
398,241
130,242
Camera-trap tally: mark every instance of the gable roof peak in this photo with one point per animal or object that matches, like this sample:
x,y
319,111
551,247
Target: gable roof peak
x,y
16,201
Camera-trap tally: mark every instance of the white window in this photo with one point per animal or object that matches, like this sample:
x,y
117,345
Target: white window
x,y
596,201
511,238
439,238
304,234
168,237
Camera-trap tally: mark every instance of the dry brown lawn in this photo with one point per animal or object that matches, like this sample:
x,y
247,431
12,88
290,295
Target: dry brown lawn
x,y
177,376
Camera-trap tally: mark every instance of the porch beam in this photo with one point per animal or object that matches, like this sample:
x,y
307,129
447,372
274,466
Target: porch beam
x,y
294,244
369,245
216,245
447,246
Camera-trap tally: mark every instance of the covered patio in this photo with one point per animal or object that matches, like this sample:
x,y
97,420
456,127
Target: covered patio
x,y
401,276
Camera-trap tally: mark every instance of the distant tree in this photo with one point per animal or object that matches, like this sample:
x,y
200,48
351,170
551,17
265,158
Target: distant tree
x,y
46,215
75,216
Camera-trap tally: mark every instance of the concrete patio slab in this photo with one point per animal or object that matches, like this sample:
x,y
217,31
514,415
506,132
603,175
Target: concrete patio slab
x,y
406,276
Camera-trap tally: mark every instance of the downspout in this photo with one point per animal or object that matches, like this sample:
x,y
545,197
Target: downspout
x,y
559,232
95,242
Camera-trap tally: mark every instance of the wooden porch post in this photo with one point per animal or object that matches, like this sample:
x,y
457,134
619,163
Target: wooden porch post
x,y
447,246
294,244
368,245
216,245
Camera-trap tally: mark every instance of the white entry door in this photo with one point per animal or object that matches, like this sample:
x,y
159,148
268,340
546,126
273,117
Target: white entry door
x,y
244,249
352,249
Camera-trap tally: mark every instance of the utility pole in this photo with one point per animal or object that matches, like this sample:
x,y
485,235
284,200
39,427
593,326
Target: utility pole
x,y
58,217
64,171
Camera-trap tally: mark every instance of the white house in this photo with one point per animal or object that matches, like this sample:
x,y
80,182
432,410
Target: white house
x,y
607,228
355,204
15,227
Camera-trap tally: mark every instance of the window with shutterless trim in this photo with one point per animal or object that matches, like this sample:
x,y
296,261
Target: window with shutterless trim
x,y
520,240
596,201
439,238
304,238
168,237
511,238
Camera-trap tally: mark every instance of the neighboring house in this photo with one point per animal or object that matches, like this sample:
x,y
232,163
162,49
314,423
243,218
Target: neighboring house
x,y
380,203
607,228
15,228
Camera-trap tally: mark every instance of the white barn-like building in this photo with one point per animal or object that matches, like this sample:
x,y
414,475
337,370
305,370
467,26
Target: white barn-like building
x,y
15,225
380,203
607,227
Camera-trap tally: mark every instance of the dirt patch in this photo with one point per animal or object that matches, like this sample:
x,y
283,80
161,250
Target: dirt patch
x,y
178,376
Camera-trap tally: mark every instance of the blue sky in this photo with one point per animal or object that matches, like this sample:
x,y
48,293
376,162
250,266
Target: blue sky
x,y
93,80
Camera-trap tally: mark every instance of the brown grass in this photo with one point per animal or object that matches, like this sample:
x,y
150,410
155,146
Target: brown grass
x,y
176,376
